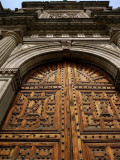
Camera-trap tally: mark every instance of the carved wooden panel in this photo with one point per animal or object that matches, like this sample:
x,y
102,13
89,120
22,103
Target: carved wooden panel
x,y
37,105
65,111
28,151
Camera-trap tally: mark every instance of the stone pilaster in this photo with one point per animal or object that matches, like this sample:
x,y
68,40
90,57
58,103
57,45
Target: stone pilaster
x,y
7,44
10,80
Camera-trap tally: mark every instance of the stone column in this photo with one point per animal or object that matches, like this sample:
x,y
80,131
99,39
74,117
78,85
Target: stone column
x,y
7,44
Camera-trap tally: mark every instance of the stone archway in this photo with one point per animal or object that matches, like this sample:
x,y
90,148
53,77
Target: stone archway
x,y
64,110
29,58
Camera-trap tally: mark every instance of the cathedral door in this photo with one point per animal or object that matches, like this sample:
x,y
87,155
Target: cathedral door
x,y
63,111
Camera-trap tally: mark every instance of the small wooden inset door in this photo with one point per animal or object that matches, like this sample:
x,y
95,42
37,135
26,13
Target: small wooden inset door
x,y
63,111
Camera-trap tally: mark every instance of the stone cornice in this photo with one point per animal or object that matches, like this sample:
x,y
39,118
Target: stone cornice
x,y
18,14
65,5
57,25
57,39
25,17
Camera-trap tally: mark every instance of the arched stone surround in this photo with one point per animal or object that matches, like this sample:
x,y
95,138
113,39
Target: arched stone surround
x,y
18,64
29,58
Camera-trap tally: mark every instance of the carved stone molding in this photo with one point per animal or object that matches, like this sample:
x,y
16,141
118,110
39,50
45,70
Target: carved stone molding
x,y
11,73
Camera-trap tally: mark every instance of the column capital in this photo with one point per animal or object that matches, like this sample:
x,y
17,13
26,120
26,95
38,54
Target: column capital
x,y
13,34
8,43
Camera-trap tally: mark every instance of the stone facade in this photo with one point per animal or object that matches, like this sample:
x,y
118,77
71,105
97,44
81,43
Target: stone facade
x,y
43,32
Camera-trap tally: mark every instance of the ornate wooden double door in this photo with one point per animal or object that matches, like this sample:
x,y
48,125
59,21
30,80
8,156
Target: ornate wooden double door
x,y
64,111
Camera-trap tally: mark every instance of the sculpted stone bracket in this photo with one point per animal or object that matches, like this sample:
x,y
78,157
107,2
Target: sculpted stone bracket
x,y
117,80
116,39
11,73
